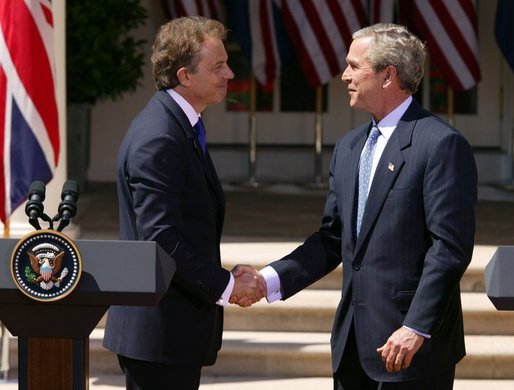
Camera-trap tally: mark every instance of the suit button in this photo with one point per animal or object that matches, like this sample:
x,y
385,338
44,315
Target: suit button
x,y
356,267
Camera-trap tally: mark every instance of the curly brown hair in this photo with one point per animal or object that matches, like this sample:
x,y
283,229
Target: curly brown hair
x,y
177,45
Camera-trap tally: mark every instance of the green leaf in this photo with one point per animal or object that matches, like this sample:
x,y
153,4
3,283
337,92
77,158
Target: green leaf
x,y
104,59
31,277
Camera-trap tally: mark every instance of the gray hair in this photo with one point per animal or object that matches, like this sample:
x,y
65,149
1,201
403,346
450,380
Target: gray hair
x,y
395,45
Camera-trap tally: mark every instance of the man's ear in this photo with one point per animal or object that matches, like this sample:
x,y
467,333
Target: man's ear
x,y
389,75
183,76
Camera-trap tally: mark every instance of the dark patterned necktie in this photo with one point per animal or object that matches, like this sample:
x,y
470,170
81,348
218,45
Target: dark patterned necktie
x,y
200,133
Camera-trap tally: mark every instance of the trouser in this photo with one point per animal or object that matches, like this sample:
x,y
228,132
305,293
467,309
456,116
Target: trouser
x,y
351,376
143,375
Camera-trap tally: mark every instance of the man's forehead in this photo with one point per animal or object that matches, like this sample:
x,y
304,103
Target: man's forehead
x,y
358,50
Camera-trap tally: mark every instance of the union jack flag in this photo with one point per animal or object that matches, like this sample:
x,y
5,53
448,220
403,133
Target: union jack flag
x,y
29,138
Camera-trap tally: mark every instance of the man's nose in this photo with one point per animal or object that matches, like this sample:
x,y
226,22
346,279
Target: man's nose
x,y
229,74
346,76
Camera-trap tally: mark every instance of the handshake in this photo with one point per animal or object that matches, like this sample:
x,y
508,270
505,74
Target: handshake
x,y
249,286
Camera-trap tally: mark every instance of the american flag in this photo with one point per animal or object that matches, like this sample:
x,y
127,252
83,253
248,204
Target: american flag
x,y
213,9
504,30
321,31
257,27
381,11
29,140
450,30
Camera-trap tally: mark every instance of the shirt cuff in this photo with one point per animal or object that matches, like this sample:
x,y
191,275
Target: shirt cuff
x,y
225,297
427,336
272,283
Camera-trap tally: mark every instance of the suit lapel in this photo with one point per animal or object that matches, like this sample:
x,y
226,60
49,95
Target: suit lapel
x,y
208,168
349,182
182,119
388,168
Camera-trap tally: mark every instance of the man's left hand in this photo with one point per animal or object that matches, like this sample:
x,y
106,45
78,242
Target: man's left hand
x,y
400,348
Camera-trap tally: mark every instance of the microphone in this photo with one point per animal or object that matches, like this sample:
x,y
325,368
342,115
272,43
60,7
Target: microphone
x,y
68,206
34,207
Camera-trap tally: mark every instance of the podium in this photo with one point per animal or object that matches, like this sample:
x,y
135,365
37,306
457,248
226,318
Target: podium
x,y
53,337
499,275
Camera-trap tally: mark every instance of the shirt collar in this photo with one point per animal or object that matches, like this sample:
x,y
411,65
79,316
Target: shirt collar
x,y
390,121
188,109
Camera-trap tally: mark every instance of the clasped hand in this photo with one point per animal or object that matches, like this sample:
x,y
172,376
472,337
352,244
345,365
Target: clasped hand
x,y
249,286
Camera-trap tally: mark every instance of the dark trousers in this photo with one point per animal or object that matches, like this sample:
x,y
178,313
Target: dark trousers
x,y
351,376
142,375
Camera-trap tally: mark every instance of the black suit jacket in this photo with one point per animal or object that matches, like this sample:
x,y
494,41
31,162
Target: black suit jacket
x,y
169,192
415,243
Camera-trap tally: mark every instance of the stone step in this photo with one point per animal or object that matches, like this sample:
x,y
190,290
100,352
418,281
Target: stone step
x,y
313,311
482,318
260,254
260,383
300,354
117,382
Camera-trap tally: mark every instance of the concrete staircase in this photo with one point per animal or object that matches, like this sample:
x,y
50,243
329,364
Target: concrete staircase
x,y
291,338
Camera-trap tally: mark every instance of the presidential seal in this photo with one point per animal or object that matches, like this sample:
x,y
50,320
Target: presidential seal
x,y
46,265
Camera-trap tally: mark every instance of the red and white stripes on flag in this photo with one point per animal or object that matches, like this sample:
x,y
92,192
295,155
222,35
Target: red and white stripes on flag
x,y
265,56
450,29
381,11
29,127
213,9
321,31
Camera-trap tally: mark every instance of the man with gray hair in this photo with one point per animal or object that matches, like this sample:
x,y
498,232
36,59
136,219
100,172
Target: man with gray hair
x,y
399,215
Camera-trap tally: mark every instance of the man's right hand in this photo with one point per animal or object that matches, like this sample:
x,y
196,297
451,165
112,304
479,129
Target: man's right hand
x,y
249,286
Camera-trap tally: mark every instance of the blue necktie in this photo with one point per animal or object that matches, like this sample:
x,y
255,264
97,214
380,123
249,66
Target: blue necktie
x,y
200,133
366,162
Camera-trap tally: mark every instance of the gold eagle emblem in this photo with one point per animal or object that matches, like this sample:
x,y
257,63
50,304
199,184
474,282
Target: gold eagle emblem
x,y
46,268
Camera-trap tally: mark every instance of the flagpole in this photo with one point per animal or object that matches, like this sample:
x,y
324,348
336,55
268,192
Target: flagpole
x,y
507,115
318,142
4,335
7,228
252,156
252,129
451,110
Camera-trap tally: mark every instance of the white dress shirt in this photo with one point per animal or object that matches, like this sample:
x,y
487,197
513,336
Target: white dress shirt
x,y
193,116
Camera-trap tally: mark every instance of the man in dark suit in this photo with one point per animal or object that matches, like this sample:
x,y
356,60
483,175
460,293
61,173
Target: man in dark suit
x,y
404,249
169,192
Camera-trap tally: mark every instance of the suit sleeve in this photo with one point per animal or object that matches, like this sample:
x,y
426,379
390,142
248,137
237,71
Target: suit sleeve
x,y
318,255
159,173
449,198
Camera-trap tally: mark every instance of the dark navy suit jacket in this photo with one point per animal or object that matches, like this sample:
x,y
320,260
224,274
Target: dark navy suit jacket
x,y
169,192
415,243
